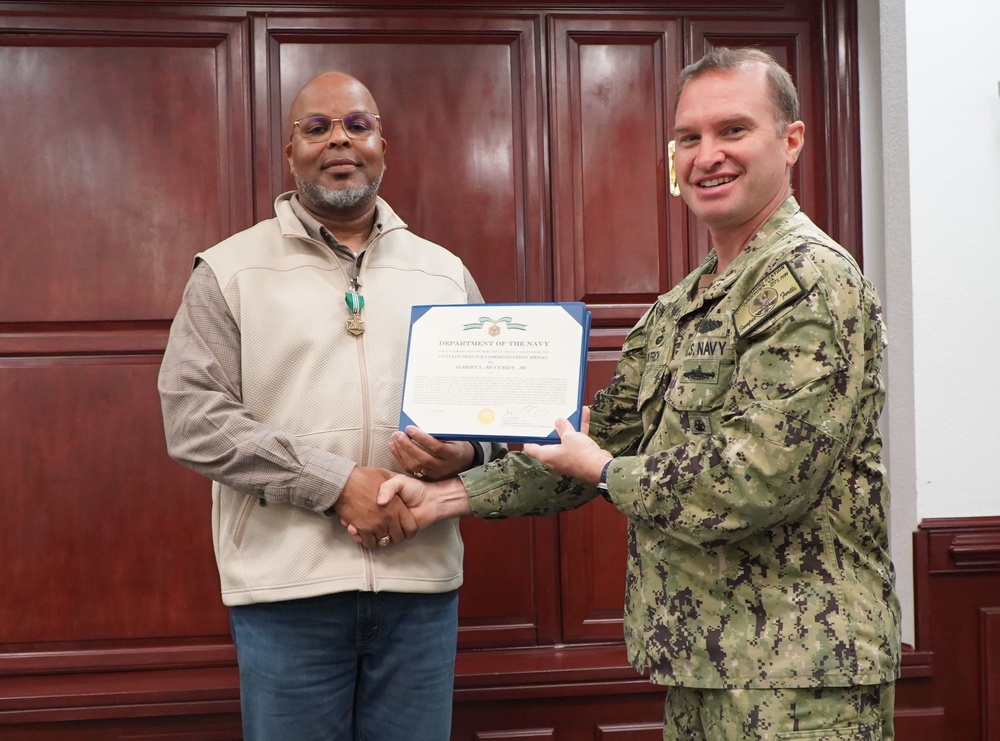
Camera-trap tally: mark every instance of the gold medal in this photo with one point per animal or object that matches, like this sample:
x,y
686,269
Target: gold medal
x,y
355,302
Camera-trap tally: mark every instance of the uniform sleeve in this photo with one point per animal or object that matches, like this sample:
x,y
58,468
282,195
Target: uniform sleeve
x,y
795,397
206,425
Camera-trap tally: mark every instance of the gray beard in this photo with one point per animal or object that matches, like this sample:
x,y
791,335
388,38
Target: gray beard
x,y
343,198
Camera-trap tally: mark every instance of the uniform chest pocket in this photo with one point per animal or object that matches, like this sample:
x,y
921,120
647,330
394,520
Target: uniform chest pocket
x,y
652,384
703,374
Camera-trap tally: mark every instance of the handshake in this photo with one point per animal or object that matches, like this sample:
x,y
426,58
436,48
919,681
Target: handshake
x,y
379,508
430,491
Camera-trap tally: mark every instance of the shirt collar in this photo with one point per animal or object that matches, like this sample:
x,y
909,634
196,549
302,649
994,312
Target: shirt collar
x,y
321,234
763,236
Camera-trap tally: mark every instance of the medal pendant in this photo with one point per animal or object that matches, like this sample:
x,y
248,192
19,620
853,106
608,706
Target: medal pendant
x,y
355,303
355,325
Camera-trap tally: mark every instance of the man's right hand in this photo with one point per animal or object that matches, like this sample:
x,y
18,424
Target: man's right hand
x,y
428,502
357,505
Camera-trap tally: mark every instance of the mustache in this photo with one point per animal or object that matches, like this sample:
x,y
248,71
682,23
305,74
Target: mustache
x,y
337,198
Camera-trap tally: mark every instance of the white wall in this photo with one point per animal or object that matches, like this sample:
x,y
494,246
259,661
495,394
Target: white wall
x,y
953,71
930,146
886,227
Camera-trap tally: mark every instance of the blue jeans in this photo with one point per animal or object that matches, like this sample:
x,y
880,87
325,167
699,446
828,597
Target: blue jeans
x,y
355,666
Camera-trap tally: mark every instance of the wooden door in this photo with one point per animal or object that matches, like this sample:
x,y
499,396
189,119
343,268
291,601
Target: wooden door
x,y
122,152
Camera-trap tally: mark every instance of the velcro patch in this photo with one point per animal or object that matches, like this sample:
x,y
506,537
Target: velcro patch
x,y
775,290
700,371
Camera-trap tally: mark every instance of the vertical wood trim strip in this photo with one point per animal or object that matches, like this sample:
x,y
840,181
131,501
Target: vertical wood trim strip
x,y
989,659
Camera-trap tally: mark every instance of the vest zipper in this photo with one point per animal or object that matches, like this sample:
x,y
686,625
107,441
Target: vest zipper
x,y
366,438
366,442
354,284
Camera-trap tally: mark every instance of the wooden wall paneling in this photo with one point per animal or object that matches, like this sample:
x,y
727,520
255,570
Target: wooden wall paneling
x,y
103,710
593,572
558,670
962,589
118,697
580,713
109,591
540,733
920,715
125,151
162,727
922,724
616,234
192,728
842,132
225,734
462,109
958,580
99,550
112,626
593,537
631,732
989,660
510,593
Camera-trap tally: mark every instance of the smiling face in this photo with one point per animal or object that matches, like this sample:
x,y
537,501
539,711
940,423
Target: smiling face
x,y
337,178
733,158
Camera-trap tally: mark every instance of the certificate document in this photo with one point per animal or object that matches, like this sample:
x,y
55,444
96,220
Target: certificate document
x,y
498,372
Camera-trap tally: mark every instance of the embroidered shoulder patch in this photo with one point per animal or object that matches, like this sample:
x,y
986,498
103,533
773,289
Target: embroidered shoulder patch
x,y
775,290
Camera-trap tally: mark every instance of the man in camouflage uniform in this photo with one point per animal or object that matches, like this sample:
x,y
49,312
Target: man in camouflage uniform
x,y
739,437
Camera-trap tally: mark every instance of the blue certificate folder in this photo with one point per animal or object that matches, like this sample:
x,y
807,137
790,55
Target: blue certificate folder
x,y
495,372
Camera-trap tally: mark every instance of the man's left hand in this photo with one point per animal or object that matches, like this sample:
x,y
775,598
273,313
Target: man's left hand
x,y
425,457
576,455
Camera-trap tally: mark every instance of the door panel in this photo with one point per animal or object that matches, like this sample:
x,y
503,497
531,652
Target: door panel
x,y
122,155
615,230
592,543
98,520
124,152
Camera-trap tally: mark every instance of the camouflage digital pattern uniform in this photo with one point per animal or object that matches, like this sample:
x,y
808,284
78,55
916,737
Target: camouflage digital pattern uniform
x,y
744,424
859,713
